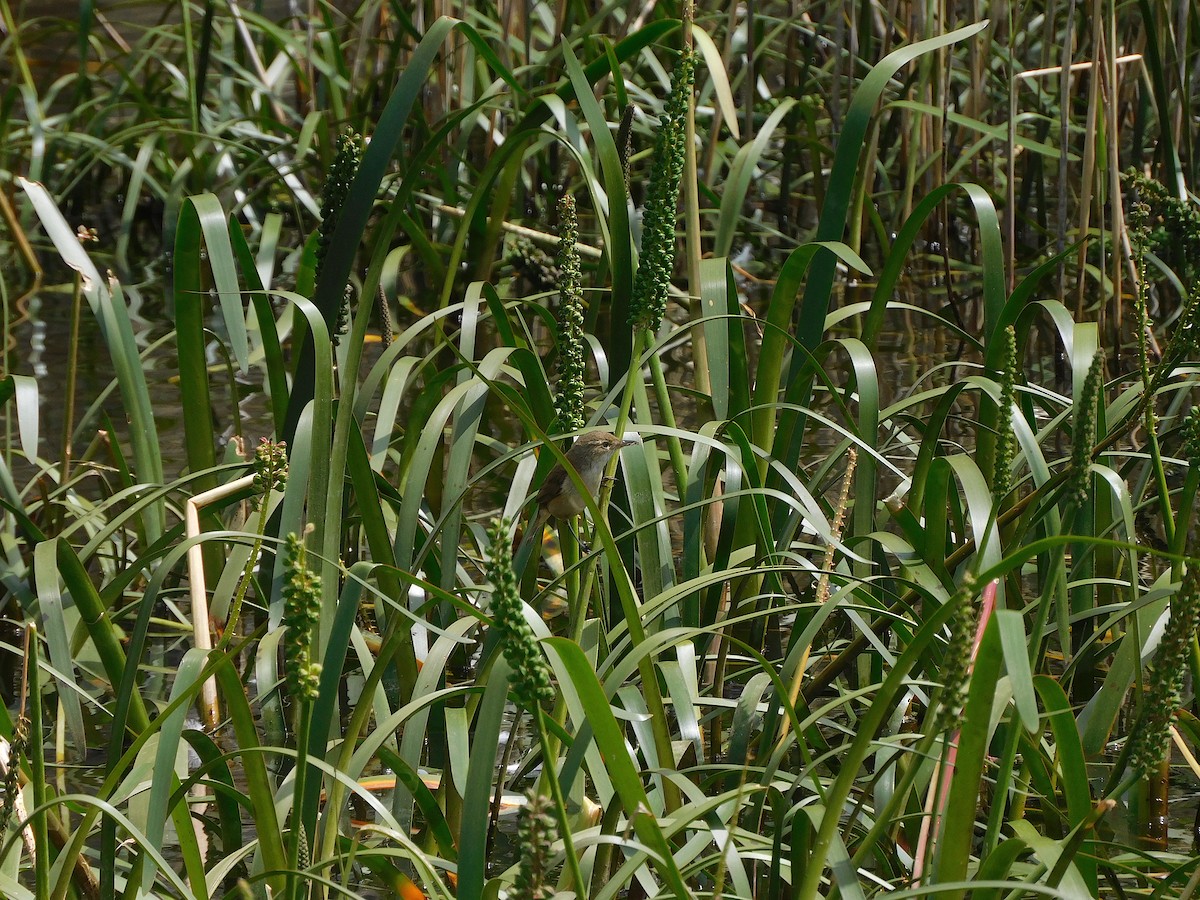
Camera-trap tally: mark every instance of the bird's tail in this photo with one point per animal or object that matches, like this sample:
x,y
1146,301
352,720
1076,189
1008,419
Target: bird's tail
x,y
535,528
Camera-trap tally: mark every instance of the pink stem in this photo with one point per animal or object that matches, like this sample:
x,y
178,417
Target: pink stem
x,y
939,785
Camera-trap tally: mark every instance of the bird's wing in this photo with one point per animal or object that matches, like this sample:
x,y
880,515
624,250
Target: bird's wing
x,y
552,486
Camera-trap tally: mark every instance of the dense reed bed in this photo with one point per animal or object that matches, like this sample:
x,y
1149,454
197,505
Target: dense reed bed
x,y
838,625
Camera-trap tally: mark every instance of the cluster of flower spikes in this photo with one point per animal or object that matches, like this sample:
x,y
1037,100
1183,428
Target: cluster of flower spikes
x,y
1171,224
301,609
956,670
1006,442
12,785
535,837
657,264
530,675
333,199
534,263
1084,435
569,399
1170,227
1151,738
270,466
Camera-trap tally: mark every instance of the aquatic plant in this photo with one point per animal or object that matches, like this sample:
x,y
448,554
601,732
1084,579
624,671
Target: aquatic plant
x,y
774,627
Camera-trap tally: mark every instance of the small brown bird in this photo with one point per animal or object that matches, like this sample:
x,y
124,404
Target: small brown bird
x,y
559,497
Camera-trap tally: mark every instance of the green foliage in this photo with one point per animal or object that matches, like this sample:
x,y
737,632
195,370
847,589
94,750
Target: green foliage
x,y
771,627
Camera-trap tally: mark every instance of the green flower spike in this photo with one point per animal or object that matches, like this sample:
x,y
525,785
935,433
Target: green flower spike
x,y
1006,443
569,401
270,466
1151,739
12,785
1191,437
337,189
535,837
1085,433
333,198
301,608
657,264
956,670
530,674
